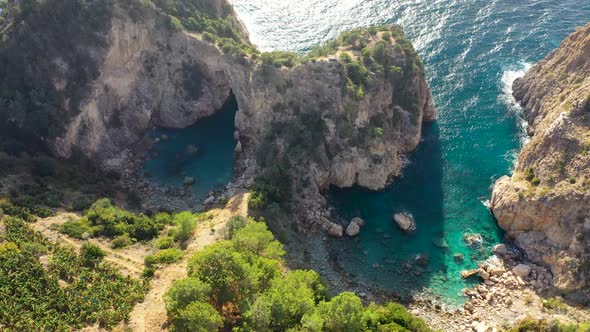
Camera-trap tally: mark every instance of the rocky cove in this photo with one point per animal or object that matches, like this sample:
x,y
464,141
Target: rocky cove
x,y
346,162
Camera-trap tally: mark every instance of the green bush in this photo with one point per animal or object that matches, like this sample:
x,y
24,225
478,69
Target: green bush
x,y
554,304
185,223
111,221
166,256
75,228
280,58
529,175
535,325
122,241
174,23
165,242
236,223
91,254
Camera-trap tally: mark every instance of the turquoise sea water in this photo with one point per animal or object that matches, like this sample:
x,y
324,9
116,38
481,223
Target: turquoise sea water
x,y
203,151
472,51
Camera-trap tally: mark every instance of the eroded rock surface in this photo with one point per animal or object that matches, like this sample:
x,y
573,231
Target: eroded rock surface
x,y
309,118
546,203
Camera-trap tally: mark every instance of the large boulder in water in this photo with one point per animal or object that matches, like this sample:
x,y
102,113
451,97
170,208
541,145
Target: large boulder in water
x,y
358,221
334,230
353,229
405,221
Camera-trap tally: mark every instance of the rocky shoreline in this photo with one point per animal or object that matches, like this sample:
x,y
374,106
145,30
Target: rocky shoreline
x,y
513,289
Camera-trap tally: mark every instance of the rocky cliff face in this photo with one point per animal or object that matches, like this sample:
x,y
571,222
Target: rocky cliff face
x,y
545,205
328,120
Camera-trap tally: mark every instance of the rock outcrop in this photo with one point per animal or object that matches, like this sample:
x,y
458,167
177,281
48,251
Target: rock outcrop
x,y
545,204
344,118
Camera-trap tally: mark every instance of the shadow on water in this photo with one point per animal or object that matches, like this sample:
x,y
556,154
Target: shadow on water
x,y
203,152
383,256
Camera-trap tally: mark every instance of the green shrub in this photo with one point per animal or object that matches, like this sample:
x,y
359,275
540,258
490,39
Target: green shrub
x,y
111,221
165,242
529,174
34,249
91,254
173,23
75,228
122,241
236,223
185,223
280,58
379,132
166,256
554,304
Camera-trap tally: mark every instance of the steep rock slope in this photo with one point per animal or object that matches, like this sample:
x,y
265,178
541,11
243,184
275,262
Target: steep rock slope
x,y
545,205
344,117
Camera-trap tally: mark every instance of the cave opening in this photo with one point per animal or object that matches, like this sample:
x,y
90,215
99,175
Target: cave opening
x,y
199,157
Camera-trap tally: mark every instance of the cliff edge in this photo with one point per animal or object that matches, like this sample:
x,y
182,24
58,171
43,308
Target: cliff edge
x,y
545,204
344,115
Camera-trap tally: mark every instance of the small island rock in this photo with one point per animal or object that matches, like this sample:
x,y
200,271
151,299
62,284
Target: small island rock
x,y
358,221
353,229
405,221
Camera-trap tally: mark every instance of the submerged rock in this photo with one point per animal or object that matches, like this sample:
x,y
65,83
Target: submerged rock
x,y
192,149
188,181
458,258
421,259
405,221
440,242
473,239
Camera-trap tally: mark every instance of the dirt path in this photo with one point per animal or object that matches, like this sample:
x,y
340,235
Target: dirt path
x,y
150,315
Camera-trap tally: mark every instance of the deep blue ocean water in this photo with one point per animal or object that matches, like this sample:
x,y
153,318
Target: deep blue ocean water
x,y
472,51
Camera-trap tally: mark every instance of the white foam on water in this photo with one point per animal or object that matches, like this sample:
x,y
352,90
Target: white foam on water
x,y
510,74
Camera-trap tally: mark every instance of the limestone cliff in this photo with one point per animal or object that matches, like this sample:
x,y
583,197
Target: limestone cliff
x,y
346,117
545,205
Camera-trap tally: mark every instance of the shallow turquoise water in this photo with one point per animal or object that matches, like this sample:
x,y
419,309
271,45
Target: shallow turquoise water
x,y
203,151
472,51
